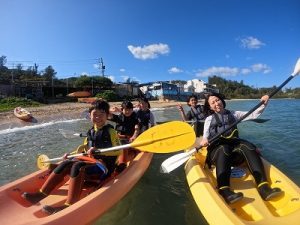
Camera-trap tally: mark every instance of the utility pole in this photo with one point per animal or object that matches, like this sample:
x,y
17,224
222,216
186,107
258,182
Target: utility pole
x,y
12,81
67,85
92,86
52,88
101,66
12,73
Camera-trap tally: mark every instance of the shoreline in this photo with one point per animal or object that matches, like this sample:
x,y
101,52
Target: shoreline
x,y
68,110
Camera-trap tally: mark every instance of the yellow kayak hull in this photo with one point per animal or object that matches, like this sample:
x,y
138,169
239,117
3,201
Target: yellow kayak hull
x,y
284,209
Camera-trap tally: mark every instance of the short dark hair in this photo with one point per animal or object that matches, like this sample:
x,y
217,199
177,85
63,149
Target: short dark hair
x,y
100,105
144,99
189,98
127,105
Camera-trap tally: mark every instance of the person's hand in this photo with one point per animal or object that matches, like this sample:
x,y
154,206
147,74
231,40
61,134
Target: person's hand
x,y
204,142
133,137
65,156
91,151
265,99
115,109
180,108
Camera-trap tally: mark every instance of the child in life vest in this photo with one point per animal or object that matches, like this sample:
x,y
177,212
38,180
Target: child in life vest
x,y
126,123
95,165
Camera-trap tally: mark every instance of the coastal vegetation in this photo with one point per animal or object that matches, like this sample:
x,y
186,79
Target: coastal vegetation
x,y
239,90
104,87
10,103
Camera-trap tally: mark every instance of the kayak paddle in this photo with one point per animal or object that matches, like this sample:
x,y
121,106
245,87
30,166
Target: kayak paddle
x,y
177,160
257,120
164,138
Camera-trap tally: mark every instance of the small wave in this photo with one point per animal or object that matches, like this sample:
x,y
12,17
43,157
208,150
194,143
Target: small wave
x,y
16,129
157,109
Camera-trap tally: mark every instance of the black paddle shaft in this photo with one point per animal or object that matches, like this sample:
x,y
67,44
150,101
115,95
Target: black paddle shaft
x,y
251,111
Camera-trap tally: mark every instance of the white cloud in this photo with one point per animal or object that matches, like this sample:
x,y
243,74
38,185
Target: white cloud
x,y
175,70
125,78
233,71
261,68
251,43
219,71
112,78
122,70
245,71
149,51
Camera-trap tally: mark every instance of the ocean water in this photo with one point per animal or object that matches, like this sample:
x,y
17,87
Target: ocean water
x,y
157,198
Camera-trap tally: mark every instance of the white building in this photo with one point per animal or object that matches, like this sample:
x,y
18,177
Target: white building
x,y
198,86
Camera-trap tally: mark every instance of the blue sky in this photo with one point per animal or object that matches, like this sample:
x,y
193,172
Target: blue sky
x,y
257,41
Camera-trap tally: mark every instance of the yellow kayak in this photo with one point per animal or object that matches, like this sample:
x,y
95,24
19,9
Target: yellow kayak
x,y
284,209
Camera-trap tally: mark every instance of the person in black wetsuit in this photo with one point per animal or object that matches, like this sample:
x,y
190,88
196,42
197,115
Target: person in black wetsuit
x,y
127,127
195,114
230,150
126,122
145,117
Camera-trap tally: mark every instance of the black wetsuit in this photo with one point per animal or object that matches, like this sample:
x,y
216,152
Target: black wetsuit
x,y
227,152
197,115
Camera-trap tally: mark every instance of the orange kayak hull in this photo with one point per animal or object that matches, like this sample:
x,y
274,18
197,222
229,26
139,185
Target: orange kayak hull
x,y
80,94
93,203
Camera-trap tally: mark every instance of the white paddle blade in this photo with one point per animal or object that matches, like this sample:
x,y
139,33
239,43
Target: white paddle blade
x,y
68,134
297,68
175,161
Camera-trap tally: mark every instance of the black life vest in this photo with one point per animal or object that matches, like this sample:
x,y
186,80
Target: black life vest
x,y
99,139
126,125
197,113
220,122
143,119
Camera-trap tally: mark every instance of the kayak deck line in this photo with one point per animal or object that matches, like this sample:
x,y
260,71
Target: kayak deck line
x,y
252,209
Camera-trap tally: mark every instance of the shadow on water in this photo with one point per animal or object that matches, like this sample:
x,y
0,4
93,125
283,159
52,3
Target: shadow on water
x,y
156,199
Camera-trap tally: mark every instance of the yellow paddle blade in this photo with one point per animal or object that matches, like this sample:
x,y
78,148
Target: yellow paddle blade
x,y
42,162
168,137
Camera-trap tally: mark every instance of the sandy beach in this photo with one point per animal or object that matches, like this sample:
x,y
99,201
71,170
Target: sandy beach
x,y
70,110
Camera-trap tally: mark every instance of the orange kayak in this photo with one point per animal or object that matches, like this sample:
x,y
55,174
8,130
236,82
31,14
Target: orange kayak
x,y
90,100
80,94
94,202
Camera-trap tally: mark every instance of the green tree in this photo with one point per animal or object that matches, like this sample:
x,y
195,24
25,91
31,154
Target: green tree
x,y
49,73
83,82
108,95
102,82
96,82
3,61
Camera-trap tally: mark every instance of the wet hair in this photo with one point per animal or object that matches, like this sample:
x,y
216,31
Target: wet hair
x,y
206,106
144,99
100,105
127,105
189,98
